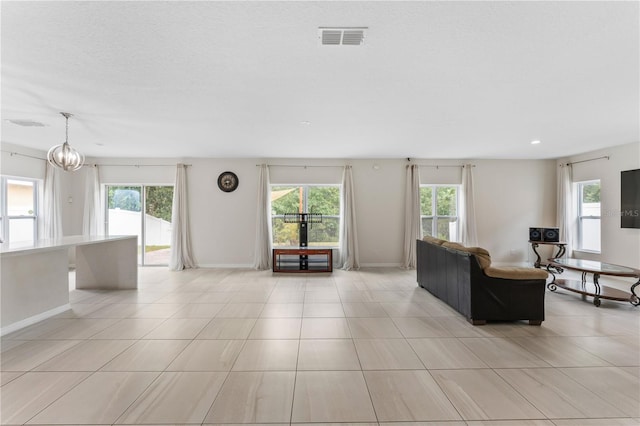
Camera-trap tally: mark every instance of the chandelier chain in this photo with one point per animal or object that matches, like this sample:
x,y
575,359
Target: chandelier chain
x,y
66,115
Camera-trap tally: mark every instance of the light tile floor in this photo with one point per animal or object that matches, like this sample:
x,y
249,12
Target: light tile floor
x,y
223,346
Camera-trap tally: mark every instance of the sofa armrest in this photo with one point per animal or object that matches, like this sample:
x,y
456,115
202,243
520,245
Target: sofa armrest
x,y
512,273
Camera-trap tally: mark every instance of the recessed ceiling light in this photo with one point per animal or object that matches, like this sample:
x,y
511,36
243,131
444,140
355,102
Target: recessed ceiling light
x,y
306,123
536,142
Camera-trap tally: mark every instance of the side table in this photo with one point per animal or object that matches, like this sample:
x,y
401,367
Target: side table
x,y
561,245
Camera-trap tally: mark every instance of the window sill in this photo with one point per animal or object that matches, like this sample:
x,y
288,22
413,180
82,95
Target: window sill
x,y
587,251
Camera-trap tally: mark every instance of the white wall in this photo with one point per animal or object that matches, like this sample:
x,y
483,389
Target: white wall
x,y
618,245
511,196
22,165
222,224
379,197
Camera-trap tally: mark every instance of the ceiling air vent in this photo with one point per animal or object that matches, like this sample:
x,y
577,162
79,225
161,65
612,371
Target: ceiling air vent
x,y
25,123
342,36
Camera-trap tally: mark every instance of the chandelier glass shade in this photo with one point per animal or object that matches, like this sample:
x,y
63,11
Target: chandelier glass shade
x,y
64,156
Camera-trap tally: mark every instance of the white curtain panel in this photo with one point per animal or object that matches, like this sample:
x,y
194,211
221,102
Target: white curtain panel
x,y
52,213
412,225
468,229
262,255
564,216
92,223
181,256
349,257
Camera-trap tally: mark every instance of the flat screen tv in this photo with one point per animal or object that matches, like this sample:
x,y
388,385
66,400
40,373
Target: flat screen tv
x,y
630,199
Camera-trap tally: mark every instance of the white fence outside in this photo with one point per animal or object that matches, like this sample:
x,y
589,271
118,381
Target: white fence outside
x,y
125,222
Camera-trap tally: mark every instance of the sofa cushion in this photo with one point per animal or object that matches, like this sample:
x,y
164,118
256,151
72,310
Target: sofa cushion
x,y
451,244
483,256
433,240
512,273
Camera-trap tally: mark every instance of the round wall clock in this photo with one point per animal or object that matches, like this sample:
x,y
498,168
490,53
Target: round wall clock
x,y
227,181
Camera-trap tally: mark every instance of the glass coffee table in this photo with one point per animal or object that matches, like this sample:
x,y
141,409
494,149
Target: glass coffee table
x,y
594,289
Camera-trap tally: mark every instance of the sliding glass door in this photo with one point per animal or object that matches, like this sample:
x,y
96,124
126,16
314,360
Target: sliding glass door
x,y
125,207
157,224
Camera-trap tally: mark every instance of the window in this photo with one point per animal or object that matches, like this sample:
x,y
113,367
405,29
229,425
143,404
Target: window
x,y
589,215
439,211
19,209
125,205
306,199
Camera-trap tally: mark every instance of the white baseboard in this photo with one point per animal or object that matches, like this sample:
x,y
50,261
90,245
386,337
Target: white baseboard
x,y
250,266
226,265
381,265
34,319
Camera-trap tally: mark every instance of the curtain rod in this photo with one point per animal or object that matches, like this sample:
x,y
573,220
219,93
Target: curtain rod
x,y
590,159
439,166
138,165
419,165
257,165
12,153
290,165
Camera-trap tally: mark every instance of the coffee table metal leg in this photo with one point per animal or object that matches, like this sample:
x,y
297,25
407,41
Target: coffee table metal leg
x,y
559,254
596,297
552,285
634,299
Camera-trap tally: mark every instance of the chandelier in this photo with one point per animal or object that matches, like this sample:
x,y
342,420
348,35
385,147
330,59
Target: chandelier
x,y
64,156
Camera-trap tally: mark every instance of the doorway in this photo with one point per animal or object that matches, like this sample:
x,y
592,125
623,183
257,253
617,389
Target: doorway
x,y
125,207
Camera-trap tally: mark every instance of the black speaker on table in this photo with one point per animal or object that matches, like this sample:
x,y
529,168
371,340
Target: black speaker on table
x,y
551,235
535,234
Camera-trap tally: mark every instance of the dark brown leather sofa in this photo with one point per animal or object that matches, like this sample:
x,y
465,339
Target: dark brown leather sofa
x,y
464,279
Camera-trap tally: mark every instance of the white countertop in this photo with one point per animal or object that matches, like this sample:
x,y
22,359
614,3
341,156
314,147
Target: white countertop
x,y
25,247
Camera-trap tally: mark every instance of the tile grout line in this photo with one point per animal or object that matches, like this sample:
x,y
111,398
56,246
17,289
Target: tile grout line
x,y
506,335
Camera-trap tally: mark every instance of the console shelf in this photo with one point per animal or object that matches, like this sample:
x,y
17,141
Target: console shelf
x,y
302,260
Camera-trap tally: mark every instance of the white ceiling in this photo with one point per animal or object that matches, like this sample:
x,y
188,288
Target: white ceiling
x,y
240,79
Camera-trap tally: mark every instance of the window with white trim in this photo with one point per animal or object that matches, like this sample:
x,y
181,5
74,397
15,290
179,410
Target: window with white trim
x,y
588,215
19,199
322,199
439,212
